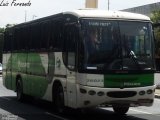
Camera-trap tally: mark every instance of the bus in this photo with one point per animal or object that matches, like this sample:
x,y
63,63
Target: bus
x,y
82,59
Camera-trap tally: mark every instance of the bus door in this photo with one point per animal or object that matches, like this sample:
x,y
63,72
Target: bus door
x,y
70,61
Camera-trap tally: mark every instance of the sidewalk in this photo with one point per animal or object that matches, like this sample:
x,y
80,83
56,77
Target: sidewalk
x,y
157,93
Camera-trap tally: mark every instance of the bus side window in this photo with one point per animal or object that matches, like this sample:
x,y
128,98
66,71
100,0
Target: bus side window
x,y
7,42
55,36
44,35
52,38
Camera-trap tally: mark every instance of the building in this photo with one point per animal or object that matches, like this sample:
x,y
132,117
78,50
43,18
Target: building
x,y
91,4
145,9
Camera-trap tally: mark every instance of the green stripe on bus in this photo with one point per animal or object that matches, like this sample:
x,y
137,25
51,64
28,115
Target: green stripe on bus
x,y
130,80
32,73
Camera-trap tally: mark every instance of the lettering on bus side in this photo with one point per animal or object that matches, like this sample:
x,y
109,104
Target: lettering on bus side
x,y
131,84
95,80
23,65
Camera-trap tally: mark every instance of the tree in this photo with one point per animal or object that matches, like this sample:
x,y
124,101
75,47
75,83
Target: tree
x,y
1,30
10,25
1,42
155,16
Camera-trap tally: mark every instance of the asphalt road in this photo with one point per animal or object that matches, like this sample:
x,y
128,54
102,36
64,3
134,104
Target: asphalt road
x,y
11,109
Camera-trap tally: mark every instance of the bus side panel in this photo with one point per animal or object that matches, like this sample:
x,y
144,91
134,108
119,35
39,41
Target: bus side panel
x,y
36,74
7,70
4,62
48,62
14,69
19,69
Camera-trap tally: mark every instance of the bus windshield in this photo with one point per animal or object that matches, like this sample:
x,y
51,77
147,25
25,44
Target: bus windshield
x,y
117,45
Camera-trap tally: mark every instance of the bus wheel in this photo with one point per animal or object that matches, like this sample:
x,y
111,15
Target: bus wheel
x,y
59,99
19,88
121,108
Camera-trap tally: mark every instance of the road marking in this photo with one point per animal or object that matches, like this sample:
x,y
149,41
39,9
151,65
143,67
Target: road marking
x,y
157,99
6,98
141,111
56,116
144,112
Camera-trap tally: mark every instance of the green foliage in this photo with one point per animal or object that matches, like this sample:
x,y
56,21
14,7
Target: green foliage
x,y
155,16
10,25
1,30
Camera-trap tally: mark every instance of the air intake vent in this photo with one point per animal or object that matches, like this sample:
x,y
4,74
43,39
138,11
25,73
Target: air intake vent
x,y
121,94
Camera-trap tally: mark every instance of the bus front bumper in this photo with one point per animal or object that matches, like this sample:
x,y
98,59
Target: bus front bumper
x,y
95,96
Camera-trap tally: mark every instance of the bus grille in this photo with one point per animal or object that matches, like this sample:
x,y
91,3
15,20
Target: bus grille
x,y
121,94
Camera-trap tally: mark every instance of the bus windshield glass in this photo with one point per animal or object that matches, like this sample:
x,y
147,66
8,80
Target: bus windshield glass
x,y
117,45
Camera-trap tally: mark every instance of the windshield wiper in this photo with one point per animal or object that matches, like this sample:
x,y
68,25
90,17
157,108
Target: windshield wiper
x,y
134,58
132,54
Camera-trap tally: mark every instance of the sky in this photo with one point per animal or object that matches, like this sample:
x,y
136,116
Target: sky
x,y
12,14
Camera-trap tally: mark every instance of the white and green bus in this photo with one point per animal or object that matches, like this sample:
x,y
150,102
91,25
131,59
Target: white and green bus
x,y
82,59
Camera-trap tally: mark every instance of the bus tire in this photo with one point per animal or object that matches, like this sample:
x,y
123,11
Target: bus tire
x,y
59,99
120,108
19,90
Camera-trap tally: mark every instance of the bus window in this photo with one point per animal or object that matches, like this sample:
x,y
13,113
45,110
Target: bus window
x,y
44,34
55,33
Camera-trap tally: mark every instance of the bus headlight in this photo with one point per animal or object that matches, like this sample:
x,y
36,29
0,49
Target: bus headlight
x,y
149,91
83,91
141,92
91,92
100,93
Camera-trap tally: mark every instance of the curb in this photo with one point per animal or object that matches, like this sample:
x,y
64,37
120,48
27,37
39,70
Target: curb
x,y
157,96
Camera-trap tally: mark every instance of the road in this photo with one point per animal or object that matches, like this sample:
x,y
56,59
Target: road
x,y
11,109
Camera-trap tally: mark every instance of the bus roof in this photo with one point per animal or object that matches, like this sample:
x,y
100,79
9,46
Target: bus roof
x,y
92,13
107,14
